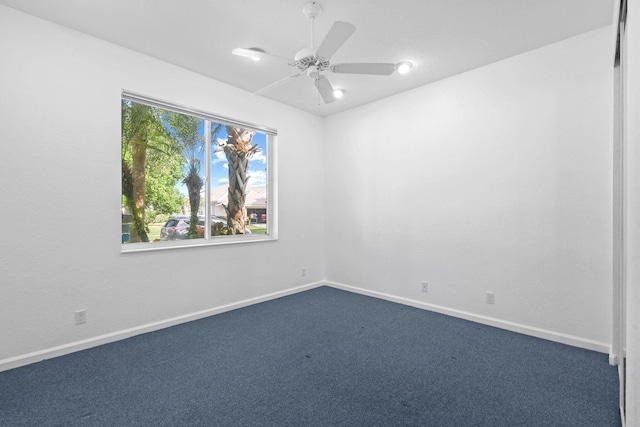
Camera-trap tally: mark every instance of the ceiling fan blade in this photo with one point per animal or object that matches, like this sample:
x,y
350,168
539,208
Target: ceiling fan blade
x,y
338,34
276,84
250,53
380,69
325,89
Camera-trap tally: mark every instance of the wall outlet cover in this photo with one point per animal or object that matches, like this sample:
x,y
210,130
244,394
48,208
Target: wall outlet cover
x,y
491,298
81,317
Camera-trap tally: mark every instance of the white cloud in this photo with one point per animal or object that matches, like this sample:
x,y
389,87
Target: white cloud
x,y
226,166
258,157
223,180
219,157
257,178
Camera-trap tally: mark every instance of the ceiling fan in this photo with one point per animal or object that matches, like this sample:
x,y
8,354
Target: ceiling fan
x,y
314,62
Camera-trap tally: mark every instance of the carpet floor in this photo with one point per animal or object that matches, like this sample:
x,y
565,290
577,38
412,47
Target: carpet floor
x,y
323,357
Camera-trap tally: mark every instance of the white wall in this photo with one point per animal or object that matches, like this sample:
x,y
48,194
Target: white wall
x,y
632,196
60,173
498,179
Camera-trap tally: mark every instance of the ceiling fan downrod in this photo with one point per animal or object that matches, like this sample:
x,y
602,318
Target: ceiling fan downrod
x,y
311,10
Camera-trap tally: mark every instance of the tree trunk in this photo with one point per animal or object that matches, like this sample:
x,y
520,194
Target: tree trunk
x,y
194,202
237,192
194,183
238,151
139,157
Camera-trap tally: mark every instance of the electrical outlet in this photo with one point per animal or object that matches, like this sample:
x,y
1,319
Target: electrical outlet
x,y
491,298
304,271
81,317
425,287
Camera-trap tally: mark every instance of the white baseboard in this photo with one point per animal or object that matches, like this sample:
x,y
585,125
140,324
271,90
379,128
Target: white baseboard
x,y
37,356
25,359
502,324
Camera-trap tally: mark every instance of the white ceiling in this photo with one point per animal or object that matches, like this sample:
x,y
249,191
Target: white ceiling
x,y
440,37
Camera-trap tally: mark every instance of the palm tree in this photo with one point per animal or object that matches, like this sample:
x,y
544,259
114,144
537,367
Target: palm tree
x,y
186,132
142,129
238,151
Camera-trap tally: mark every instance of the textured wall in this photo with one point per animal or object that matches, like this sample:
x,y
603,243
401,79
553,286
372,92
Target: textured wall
x,y
60,174
498,179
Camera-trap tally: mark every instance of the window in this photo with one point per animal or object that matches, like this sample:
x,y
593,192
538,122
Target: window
x,y
193,178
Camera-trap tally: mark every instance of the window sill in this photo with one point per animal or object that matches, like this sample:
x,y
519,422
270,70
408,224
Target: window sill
x,y
214,241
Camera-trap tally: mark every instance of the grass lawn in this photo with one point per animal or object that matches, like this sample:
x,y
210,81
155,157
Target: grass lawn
x,y
257,230
154,230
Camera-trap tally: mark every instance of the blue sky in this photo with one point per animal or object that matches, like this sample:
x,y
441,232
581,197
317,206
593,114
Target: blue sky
x,y
220,168
257,164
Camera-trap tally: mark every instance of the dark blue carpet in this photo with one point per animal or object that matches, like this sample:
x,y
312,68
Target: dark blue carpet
x,y
324,357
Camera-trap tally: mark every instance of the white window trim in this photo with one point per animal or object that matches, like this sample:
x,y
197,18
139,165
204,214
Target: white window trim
x,y
272,183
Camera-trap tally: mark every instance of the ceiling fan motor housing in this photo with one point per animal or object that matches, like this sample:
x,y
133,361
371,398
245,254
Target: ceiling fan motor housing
x,y
306,58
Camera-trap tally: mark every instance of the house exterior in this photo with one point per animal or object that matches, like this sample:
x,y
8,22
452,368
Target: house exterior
x,y
255,202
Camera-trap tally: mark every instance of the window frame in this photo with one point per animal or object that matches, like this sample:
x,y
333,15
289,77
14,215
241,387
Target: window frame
x,y
271,172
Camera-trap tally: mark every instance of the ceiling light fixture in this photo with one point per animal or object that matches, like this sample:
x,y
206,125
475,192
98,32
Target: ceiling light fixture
x,y
256,49
404,67
338,93
252,52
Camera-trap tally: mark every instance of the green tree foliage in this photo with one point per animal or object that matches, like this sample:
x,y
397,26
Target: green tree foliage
x,y
159,149
142,133
186,132
162,174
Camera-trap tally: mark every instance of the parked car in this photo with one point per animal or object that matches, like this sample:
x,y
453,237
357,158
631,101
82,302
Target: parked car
x,y
176,228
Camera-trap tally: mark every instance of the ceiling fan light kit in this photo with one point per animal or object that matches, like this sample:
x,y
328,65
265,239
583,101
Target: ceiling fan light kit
x,y
316,62
404,67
